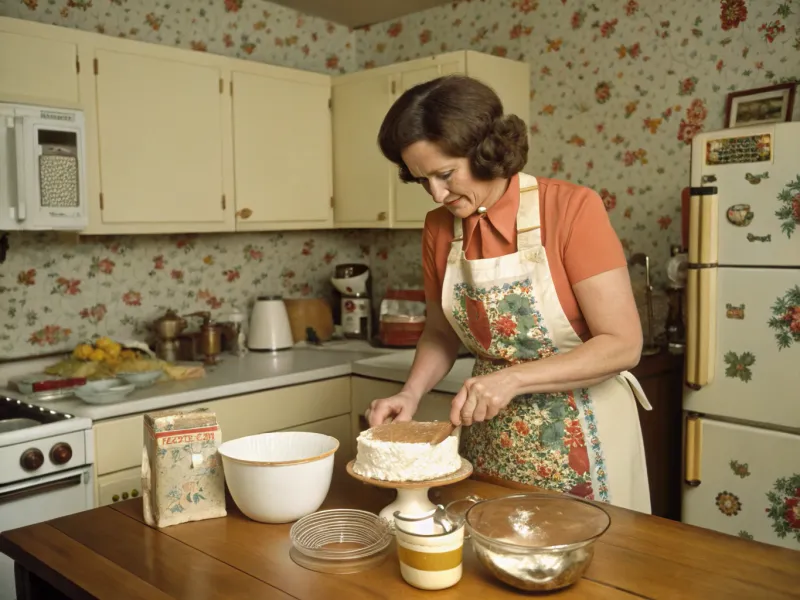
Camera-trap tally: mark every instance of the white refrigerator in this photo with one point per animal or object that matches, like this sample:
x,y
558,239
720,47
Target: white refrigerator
x,y
742,395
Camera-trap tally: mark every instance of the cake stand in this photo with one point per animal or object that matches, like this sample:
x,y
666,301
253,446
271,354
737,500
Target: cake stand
x,y
412,496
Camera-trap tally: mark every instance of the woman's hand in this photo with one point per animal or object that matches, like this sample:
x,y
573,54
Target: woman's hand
x,y
400,407
482,398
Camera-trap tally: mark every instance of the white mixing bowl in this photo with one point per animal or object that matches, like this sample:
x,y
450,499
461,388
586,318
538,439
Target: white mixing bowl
x,y
279,477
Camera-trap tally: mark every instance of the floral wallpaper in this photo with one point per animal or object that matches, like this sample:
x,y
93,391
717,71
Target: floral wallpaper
x,y
619,87
51,299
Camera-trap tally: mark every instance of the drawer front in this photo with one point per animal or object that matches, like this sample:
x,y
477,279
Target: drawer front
x,y
118,442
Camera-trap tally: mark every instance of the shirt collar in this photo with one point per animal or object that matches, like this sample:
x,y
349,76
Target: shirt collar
x,y
502,214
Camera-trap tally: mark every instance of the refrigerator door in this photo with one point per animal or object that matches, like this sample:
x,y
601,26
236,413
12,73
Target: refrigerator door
x,y
756,171
756,354
746,482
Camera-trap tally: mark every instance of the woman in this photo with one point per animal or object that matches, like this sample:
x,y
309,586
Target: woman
x,y
529,274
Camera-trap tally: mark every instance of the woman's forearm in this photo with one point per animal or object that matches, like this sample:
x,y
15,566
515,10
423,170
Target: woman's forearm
x,y
593,362
436,353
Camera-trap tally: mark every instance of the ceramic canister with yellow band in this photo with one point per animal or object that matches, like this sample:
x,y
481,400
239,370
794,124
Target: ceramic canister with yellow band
x,y
430,561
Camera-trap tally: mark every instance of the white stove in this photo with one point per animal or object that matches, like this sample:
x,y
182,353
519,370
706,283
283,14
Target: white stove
x,y
46,462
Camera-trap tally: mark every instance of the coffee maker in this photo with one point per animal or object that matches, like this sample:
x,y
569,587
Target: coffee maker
x,y
352,283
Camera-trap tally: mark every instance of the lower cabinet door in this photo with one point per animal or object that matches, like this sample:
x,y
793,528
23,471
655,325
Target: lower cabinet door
x,y
119,486
338,427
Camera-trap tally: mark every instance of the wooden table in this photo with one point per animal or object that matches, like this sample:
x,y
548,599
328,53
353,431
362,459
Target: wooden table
x,y
110,553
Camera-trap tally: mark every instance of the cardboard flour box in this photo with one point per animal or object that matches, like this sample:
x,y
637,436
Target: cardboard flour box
x,y
182,477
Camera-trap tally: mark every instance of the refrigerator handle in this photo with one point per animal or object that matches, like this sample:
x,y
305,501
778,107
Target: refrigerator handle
x,y
701,287
694,450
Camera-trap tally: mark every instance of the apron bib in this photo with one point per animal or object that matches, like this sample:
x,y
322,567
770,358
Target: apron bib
x,y
585,442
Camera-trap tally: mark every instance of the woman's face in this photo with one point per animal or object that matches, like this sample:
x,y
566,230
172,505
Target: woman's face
x,y
449,180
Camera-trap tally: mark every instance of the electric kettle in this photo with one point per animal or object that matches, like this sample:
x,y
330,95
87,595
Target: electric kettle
x,y
269,325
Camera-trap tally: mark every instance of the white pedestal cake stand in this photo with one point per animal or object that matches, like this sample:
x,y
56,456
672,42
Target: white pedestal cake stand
x,y
412,496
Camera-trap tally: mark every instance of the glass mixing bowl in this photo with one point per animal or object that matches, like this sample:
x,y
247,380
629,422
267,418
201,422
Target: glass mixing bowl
x,y
340,534
536,542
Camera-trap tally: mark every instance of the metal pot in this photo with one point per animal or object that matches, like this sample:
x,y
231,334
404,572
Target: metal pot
x,y
169,326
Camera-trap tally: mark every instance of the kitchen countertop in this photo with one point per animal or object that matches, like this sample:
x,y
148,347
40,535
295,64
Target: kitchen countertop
x,y
256,372
109,552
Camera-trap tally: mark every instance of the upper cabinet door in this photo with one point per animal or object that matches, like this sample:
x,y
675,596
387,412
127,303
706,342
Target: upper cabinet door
x,y
282,151
38,70
362,177
161,144
412,202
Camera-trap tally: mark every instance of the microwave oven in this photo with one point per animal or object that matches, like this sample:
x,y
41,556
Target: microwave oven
x,y
42,169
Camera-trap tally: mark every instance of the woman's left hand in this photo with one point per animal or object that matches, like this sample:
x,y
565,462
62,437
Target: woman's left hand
x,y
482,398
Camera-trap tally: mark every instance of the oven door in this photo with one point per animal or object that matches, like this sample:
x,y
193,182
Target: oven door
x,y
37,500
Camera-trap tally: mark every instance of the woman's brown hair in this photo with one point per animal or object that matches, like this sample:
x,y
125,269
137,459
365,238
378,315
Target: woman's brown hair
x,y
464,117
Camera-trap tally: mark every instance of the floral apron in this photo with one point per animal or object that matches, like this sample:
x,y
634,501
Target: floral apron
x,y
586,442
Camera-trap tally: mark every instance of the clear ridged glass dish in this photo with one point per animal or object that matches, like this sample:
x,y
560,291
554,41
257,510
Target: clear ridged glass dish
x,y
340,535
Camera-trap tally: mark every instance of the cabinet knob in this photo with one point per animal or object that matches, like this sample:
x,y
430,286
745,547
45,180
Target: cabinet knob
x,y
382,216
245,213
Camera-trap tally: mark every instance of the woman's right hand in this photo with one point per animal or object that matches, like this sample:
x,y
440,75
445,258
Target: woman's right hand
x,y
398,408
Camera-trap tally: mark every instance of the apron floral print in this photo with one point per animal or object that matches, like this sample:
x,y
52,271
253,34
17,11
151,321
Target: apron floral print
x,y
506,311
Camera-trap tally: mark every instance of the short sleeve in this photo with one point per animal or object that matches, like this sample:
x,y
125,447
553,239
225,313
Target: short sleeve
x,y
592,246
430,272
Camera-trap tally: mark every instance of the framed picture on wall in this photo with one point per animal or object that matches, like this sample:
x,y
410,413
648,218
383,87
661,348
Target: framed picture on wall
x,y
772,104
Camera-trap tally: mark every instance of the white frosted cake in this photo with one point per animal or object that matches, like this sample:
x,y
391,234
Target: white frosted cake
x,y
393,452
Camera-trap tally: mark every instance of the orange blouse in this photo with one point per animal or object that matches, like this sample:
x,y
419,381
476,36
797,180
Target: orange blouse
x,y
577,235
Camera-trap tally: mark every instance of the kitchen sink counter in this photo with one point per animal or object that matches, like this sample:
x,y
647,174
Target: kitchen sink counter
x,y
233,376
110,553
396,367
256,372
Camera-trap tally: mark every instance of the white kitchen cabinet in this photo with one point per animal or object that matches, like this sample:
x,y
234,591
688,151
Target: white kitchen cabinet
x,y
160,139
35,69
118,442
434,406
337,427
120,486
282,148
367,191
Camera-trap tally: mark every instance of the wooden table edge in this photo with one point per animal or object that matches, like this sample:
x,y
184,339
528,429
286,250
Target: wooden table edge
x,y
15,549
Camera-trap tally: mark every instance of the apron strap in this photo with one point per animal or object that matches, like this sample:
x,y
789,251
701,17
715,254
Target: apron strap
x,y
636,388
529,232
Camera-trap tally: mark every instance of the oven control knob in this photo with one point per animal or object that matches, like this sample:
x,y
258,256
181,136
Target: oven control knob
x,y
31,459
60,453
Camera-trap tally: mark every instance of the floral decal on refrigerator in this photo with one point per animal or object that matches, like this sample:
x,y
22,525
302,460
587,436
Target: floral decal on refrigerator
x,y
739,365
785,318
740,469
728,504
784,509
789,212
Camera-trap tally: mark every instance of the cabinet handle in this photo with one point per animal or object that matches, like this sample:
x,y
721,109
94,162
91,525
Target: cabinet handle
x,y
245,213
382,216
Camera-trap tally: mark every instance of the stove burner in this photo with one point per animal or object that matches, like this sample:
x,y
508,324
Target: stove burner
x,y
16,415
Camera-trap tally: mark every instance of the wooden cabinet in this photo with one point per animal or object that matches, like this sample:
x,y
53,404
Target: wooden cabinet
x,y
282,149
160,135
118,442
661,378
35,69
367,192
